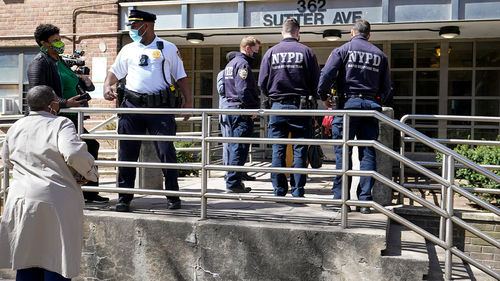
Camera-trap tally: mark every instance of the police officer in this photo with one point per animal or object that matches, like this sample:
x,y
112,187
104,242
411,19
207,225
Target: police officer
x,y
363,72
148,63
241,93
223,120
288,74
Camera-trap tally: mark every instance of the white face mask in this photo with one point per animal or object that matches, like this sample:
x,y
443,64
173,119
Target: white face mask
x,y
52,111
134,34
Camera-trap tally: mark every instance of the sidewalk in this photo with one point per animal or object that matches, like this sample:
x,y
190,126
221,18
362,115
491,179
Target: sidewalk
x,y
317,186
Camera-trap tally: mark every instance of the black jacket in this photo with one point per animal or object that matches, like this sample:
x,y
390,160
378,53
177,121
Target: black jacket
x,y
239,83
289,70
43,71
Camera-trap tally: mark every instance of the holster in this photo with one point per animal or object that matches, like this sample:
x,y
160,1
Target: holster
x,y
121,94
337,100
172,96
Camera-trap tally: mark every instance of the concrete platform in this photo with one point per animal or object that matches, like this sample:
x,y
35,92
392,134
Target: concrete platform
x,y
243,240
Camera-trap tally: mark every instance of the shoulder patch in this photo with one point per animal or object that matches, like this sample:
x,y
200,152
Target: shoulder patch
x,y
243,73
179,55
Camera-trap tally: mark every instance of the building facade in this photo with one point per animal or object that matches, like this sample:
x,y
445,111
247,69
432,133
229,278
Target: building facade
x,y
431,74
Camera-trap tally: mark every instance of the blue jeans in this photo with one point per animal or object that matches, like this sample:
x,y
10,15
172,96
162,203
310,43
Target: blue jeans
x,y
241,126
363,128
156,124
280,127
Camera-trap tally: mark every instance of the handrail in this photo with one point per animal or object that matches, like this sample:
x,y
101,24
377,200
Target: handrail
x,y
446,181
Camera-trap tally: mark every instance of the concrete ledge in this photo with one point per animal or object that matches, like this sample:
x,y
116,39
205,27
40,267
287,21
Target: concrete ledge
x,y
141,247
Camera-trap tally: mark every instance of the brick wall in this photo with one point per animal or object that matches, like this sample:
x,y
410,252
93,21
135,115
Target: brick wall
x,y
470,244
19,18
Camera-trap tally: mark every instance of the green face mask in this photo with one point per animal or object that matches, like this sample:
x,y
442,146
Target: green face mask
x,y
58,46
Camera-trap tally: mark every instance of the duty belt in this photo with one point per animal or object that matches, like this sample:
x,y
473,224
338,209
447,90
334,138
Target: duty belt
x,y
135,98
151,100
363,96
292,101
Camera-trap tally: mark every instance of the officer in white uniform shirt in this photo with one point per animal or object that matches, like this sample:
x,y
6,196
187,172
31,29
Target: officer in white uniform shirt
x,y
147,63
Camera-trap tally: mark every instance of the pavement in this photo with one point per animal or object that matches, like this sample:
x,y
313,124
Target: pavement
x,y
317,186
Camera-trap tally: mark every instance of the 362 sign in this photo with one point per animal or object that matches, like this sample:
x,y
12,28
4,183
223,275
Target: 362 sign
x,y
311,6
312,12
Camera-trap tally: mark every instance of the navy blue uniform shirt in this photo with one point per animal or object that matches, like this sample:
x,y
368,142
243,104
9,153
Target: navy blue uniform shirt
x,y
289,70
239,83
362,68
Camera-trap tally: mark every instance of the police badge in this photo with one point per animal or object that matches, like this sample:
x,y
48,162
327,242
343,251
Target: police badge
x,y
156,54
243,73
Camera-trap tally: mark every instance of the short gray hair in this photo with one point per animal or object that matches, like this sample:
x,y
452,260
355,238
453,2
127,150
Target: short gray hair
x,y
39,97
362,27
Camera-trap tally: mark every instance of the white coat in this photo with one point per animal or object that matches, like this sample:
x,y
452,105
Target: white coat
x,y
42,223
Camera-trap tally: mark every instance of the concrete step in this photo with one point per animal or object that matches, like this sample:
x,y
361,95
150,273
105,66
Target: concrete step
x,y
406,254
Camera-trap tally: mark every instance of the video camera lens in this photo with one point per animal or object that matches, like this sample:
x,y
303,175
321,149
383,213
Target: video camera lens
x,y
79,53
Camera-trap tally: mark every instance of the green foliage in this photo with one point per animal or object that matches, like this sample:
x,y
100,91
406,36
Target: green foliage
x,y
187,157
482,155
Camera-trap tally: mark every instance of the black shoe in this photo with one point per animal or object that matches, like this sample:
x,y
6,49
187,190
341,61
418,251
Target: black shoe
x,y
334,208
238,190
96,199
248,177
123,206
173,205
363,210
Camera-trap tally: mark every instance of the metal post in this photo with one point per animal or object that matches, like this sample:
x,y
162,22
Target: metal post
x,y
209,129
204,161
442,220
449,223
117,151
80,123
345,168
401,167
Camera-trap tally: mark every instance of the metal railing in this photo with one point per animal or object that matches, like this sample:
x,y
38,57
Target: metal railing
x,y
446,180
404,140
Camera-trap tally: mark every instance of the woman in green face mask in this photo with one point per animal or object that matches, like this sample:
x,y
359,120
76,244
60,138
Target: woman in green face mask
x,y
44,68
48,68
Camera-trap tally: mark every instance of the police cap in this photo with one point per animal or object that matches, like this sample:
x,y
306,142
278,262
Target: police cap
x,y
138,15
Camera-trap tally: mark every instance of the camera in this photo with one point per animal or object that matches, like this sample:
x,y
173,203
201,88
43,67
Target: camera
x,y
74,59
143,60
70,62
83,70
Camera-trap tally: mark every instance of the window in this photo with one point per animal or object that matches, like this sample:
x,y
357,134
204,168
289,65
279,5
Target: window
x,y
13,76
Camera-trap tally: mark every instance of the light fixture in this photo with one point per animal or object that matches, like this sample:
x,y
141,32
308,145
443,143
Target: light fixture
x,y
332,34
449,32
195,38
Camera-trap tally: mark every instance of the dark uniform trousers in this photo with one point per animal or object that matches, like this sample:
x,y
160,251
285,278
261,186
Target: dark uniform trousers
x,y
93,149
240,126
364,128
156,124
280,127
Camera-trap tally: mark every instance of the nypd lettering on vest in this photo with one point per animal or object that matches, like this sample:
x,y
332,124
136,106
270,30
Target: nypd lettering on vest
x,y
363,60
228,72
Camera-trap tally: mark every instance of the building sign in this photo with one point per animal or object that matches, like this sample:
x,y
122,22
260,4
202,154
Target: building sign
x,y
312,12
